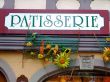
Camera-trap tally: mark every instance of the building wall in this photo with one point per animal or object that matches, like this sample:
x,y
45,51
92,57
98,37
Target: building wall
x,y
14,59
30,66
30,4
60,4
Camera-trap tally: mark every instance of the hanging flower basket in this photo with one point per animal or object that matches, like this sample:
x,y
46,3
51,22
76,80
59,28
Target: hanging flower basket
x,y
47,52
59,57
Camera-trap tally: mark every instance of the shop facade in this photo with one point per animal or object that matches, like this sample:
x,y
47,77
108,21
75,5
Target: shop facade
x,y
85,38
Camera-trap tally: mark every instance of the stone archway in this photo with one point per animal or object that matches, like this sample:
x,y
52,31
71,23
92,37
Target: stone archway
x,y
2,77
51,70
7,71
37,77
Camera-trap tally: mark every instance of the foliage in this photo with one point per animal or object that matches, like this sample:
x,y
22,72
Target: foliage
x,y
48,52
30,45
54,54
31,40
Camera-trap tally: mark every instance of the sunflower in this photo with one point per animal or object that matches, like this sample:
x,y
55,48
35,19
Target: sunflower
x,y
106,51
62,60
106,54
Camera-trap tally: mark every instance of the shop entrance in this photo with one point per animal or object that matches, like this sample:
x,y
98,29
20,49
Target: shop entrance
x,y
81,76
77,79
2,77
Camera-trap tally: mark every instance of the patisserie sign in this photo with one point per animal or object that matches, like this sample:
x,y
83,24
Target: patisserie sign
x,y
54,21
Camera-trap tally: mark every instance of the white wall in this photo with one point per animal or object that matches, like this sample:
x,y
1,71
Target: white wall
x,y
68,4
30,4
1,3
101,4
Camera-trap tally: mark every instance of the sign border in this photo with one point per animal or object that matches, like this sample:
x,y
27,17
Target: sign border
x,y
103,13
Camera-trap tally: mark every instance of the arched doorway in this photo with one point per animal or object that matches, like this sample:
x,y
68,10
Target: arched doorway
x,y
99,74
2,77
77,76
51,73
6,72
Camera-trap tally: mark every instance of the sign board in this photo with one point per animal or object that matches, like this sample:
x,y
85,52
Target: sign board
x,y
87,62
46,21
54,21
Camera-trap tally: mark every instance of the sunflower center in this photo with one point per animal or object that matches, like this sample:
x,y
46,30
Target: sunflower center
x,y
62,60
